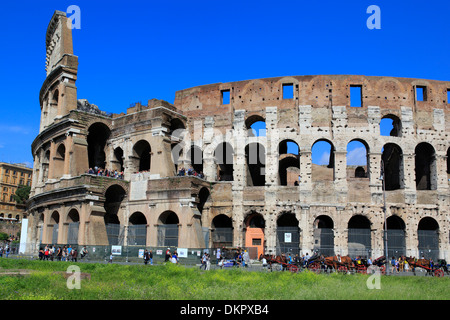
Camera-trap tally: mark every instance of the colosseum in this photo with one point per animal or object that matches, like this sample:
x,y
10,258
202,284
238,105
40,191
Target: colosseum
x,y
196,173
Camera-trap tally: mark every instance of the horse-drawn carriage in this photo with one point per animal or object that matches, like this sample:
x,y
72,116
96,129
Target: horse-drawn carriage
x,y
431,268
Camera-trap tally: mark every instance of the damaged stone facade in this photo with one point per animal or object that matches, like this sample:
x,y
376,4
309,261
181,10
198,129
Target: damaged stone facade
x,y
255,191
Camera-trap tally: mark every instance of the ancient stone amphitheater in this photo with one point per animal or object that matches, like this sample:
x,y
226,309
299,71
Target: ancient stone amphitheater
x,y
197,174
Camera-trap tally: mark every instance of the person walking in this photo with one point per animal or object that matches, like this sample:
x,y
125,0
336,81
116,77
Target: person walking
x,y
146,257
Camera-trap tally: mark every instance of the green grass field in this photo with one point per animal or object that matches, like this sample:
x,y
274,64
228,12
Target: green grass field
x,y
45,280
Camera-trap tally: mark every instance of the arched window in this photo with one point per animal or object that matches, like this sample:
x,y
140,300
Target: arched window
x,y
357,156
137,229
425,167
168,229
98,134
324,235
255,155
322,155
223,156
390,125
428,234
359,237
396,236
288,234
114,196
288,163
392,157
73,219
142,157
222,231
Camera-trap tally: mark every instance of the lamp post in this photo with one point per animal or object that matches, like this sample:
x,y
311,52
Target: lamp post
x,y
382,177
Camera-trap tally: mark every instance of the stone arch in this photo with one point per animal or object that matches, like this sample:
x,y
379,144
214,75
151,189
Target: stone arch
x,y
97,135
224,159
142,156
288,162
53,226
428,238
288,234
59,160
222,231
137,229
359,156
168,229
113,218
73,225
254,233
324,235
392,166
390,125
255,155
195,157
396,236
323,167
425,167
359,236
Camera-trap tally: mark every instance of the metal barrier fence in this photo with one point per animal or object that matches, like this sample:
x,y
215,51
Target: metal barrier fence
x,y
192,256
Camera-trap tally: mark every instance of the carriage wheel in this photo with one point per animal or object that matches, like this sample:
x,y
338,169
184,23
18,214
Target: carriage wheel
x,y
293,269
383,269
342,269
362,270
279,267
438,273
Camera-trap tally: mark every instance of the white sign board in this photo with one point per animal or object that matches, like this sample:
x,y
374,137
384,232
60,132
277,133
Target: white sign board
x,y
116,250
182,252
288,237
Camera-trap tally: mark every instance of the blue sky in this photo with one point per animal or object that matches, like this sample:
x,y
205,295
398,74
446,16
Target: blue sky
x,y
138,50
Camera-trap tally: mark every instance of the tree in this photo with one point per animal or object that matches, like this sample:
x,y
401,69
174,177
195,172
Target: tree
x,y
22,194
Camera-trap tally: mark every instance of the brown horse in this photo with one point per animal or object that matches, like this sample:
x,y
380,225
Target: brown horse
x,y
421,263
337,262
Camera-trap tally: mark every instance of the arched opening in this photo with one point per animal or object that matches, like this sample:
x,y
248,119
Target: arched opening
x,y
255,155
428,234
137,229
168,229
256,126
425,167
114,196
222,231
195,155
73,219
390,125
357,158
177,128
288,163
322,156
324,235
359,237
54,223
203,197
448,162
254,234
223,155
141,155
288,234
396,236
118,159
392,157
58,161
98,134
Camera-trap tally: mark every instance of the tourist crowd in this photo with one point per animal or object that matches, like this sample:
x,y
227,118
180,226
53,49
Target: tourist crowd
x,y
65,253
105,173
190,172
